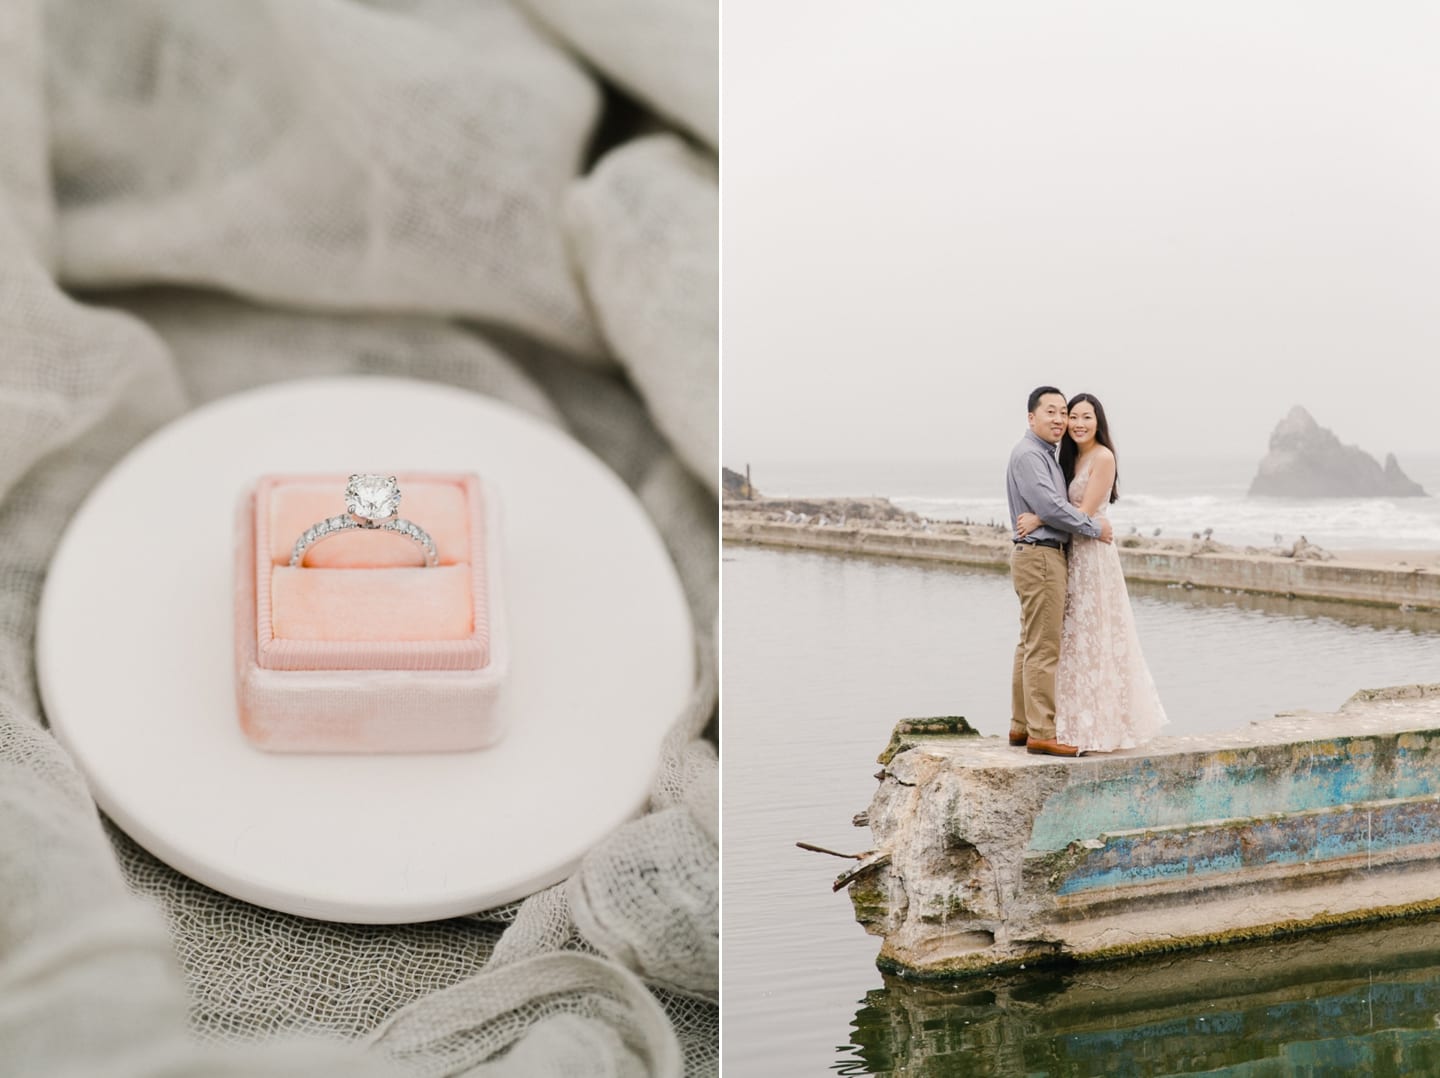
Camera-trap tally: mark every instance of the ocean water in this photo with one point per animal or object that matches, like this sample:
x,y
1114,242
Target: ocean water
x,y
1176,497
823,653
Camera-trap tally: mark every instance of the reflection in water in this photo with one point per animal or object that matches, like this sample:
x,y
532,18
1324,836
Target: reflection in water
x,y
1355,614
1351,1002
1375,617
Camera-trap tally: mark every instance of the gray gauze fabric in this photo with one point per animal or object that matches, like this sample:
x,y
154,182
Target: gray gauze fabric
x,y
200,196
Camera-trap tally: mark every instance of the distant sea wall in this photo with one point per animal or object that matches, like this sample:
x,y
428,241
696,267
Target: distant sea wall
x,y
1199,568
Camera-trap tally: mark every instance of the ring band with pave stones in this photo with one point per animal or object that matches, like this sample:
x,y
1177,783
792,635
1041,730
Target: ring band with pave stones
x,y
371,503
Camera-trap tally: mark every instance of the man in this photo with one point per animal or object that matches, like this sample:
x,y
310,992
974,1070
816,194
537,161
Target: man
x,y
1035,484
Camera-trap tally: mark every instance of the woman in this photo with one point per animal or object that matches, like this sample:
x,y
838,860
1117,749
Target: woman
x,y
1105,697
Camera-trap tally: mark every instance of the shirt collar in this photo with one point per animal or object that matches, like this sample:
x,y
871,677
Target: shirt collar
x,y
1053,450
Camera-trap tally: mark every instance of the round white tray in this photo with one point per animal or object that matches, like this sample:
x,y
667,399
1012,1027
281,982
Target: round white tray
x,y
136,664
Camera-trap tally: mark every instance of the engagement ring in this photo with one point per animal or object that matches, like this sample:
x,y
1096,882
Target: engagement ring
x,y
372,502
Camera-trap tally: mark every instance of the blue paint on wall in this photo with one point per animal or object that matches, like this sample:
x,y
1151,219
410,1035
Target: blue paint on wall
x,y
1135,793
1310,838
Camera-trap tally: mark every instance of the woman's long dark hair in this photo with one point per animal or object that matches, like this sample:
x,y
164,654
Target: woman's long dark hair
x,y
1069,450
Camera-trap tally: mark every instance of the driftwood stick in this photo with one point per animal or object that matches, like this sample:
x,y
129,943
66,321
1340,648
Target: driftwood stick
x,y
832,853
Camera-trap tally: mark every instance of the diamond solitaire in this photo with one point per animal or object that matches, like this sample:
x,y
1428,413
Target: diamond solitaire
x,y
372,502
372,497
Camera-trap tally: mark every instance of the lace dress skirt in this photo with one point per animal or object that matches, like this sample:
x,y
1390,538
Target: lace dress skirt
x,y
1105,697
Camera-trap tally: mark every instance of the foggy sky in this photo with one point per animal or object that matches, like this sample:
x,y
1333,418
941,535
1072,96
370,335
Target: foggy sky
x,y
1204,213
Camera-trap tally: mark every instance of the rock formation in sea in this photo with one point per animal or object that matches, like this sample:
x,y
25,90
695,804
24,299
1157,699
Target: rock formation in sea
x,y
1307,461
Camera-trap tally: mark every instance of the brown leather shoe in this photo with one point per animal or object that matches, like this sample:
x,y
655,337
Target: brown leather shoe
x,y
1018,736
1048,746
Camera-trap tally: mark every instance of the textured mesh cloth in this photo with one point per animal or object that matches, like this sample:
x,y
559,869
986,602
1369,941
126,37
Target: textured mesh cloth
x,y
651,48
200,196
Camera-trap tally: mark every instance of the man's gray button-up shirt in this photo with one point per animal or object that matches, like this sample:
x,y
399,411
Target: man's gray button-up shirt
x,y
1035,484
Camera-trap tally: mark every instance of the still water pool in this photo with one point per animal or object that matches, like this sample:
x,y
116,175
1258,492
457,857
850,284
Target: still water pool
x,y
822,654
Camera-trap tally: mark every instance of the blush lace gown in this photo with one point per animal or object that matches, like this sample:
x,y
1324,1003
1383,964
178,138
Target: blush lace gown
x,y
1105,697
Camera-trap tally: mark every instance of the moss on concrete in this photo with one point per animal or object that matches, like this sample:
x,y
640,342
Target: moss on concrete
x,y
910,732
869,900
1393,692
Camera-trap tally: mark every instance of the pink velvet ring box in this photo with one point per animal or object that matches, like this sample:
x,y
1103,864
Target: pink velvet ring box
x,y
364,649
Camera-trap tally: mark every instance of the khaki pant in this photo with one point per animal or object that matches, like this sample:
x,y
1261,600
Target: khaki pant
x,y
1038,573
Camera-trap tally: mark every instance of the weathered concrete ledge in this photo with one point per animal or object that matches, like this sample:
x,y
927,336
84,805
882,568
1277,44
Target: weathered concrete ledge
x,y
987,857
1411,587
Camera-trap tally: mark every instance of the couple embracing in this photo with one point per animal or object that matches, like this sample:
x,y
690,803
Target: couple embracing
x,y
1080,683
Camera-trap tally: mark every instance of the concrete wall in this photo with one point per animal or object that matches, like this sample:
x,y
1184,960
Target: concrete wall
x,y
997,857
1238,572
